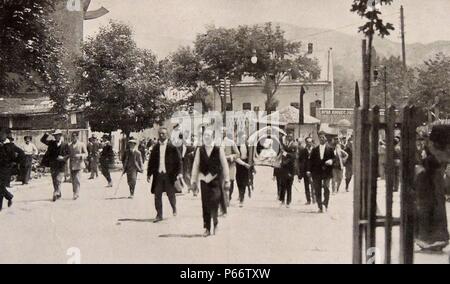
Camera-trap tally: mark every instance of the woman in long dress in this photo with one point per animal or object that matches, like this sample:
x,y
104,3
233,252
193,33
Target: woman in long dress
x,y
431,216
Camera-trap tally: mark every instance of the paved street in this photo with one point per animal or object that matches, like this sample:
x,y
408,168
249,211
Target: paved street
x,y
110,229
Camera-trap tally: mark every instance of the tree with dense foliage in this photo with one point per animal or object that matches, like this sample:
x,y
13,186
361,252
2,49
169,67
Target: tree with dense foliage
x,y
278,58
225,53
120,85
31,52
433,86
397,82
186,75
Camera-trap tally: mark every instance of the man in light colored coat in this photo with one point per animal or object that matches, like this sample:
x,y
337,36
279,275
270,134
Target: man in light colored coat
x,y
77,153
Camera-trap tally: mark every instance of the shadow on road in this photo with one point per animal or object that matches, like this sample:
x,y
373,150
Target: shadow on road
x,y
116,198
33,201
135,220
181,236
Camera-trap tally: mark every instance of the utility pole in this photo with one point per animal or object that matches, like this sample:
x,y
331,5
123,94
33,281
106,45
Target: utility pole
x,y
402,23
385,90
405,96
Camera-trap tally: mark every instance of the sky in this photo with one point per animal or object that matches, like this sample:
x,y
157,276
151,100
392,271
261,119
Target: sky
x,y
172,20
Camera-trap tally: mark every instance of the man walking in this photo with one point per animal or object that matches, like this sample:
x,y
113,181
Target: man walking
x,y
348,163
321,170
187,152
210,169
304,166
165,166
78,153
6,159
243,168
287,171
132,165
340,157
56,156
30,150
106,159
94,150
16,167
232,154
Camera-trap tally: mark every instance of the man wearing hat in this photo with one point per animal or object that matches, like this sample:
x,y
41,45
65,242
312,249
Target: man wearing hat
x,y
78,153
288,169
106,159
19,158
431,216
132,165
94,150
6,159
56,157
29,150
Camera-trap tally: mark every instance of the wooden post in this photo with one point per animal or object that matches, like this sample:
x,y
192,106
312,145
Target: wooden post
x,y
357,96
407,178
364,74
390,118
357,201
372,178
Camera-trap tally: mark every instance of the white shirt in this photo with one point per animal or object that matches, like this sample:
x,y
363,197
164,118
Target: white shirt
x,y
322,150
184,148
198,176
30,149
243,151
162,156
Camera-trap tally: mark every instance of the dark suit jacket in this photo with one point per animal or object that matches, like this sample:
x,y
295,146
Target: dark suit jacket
x,y
173,164
288,168
187,159
133,162
107,156
304,162
318,167
7,157
53,151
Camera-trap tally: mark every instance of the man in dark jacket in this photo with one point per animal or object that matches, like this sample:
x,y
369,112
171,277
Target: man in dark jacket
x,y
165,166
348,163
6,159
132,165
288,169
304,166
106,159
321,170
187,152
57,155
19,158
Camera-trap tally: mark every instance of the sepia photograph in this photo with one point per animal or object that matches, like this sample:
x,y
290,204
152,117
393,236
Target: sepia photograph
x,y
224,132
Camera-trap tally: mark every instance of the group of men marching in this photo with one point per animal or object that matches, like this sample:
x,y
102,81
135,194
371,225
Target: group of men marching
x,y
319,166
213,166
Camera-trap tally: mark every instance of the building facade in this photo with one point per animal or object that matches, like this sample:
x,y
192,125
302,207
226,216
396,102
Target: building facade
x,y
249,96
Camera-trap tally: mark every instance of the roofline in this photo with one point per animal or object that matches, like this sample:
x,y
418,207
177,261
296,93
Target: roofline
x,y
34,114
284,84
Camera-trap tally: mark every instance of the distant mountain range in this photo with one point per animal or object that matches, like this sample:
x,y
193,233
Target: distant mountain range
x,y
346,48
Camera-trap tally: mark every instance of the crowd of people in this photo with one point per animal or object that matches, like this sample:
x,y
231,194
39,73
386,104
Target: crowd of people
x,y
220,161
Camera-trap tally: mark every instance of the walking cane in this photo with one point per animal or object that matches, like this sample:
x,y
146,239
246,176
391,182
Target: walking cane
x,y
118,184
312,190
